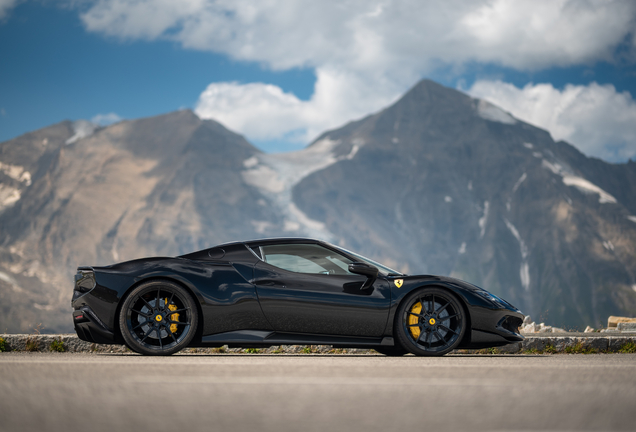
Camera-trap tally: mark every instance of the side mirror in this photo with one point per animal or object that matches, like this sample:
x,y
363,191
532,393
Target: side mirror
x,y
364,269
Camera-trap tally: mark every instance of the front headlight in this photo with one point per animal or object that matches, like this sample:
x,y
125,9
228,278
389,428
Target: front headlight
x,y
496,300
492,298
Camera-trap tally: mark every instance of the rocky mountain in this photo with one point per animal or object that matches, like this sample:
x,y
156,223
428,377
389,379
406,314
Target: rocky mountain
x,y
436,183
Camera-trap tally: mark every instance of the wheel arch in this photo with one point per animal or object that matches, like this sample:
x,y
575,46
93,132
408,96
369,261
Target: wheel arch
x,y
462,301
195,295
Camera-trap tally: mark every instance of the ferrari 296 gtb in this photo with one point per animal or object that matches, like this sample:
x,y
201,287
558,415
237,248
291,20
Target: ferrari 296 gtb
x,y
284,291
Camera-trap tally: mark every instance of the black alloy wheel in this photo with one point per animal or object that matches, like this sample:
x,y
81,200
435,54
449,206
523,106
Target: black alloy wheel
x,y
430,322
158,318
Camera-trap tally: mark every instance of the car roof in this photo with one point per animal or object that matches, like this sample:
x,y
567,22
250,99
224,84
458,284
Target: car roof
x,y
274,240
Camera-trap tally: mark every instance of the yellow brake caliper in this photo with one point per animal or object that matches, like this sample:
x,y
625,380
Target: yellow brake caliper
x,y
173,317
416,309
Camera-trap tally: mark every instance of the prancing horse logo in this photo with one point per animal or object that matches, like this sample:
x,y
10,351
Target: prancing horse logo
x,y
398,283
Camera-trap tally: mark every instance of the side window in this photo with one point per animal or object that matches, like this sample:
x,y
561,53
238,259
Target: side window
x,y
306,258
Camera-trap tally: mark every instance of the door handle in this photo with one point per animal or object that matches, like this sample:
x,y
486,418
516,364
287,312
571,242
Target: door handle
x,y
270,283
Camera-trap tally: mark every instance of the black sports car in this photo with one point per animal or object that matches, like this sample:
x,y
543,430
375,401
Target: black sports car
x,y
284,292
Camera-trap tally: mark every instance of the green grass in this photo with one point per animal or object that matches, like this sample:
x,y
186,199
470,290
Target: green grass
x,y
488,351
32,344
57,346
252,350
628,348
550,349
579,349
307,350
3,345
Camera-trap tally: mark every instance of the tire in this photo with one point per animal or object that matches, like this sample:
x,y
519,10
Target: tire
x,y
158,318
394,351
430,322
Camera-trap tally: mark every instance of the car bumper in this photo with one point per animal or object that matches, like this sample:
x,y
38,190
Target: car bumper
x,y
494,328
90,328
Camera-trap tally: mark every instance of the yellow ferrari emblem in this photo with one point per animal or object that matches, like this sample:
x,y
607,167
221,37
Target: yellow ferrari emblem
x,y
398,282
158,318
431,321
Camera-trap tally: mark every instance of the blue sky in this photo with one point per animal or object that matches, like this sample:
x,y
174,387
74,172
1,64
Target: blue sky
x,y
281,72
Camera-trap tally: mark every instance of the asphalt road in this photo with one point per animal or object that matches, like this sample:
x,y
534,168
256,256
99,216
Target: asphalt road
x,y
183,393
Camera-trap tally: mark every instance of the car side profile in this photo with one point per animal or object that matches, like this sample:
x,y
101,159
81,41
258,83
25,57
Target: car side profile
x,y
284,291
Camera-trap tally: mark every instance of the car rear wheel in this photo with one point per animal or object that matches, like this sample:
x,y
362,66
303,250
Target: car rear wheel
x,y
430,322
158,318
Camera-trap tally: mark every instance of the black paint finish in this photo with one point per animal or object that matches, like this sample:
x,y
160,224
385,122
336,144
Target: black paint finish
x,y
244,301
320,303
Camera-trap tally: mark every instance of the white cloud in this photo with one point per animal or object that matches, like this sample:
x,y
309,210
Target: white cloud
x,y
365,52
265,112
6,6
597,118
359,34
106,119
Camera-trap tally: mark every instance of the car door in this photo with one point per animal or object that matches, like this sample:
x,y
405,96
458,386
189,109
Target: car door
x,y
307,288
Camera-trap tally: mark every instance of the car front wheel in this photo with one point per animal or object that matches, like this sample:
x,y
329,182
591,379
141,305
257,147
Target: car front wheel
x,y
430,322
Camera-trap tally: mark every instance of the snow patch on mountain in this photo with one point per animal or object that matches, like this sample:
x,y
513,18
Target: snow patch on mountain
x,y
524,270
483,219
588,187
353,152
523,177
462,248
8,196
514,189
11,281
265,178
16,172
275,175
251,162
580,183
81,129
490,112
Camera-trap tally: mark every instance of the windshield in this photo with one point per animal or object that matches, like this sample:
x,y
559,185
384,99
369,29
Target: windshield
x,y
384,270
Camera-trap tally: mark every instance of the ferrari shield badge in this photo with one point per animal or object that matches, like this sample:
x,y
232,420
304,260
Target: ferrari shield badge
x,y
398,283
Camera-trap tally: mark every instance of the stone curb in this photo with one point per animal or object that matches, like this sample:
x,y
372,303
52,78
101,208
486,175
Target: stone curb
x,y
532,345
570,344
